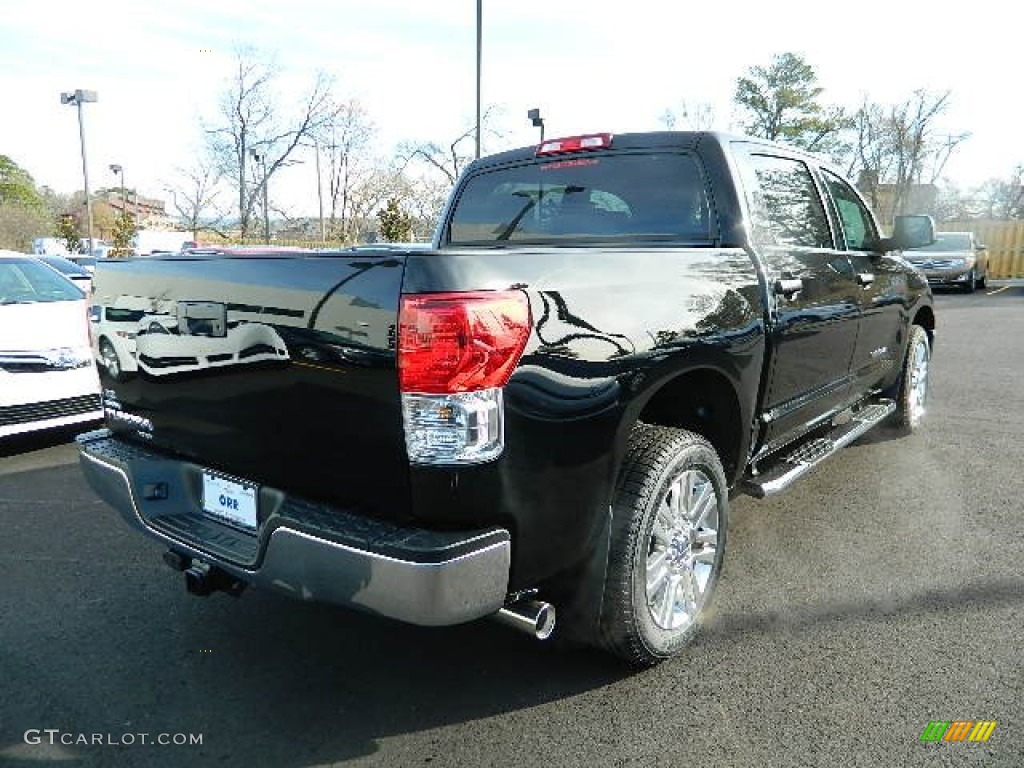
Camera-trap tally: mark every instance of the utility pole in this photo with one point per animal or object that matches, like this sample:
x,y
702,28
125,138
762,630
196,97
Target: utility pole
x,y
79,97
479,40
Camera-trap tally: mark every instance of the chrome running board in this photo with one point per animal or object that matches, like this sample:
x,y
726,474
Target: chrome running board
x,y
792,466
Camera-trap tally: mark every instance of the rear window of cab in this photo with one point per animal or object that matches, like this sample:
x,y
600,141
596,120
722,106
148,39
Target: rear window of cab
x,y
628,197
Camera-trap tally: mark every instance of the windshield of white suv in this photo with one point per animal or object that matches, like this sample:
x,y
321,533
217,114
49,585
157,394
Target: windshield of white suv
x,y
29,282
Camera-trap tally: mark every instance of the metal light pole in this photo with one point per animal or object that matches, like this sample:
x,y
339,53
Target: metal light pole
x,y
78,98
479,39
320,192
117,170
538,122
261,158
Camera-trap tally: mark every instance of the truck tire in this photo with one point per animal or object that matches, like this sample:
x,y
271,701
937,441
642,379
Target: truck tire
x,y
669,519
912,396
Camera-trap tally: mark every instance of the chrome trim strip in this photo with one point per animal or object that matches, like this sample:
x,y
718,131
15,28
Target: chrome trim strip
x,y
60,421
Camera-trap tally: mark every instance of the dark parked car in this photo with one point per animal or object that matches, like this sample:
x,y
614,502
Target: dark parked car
x,y
955,258
76,273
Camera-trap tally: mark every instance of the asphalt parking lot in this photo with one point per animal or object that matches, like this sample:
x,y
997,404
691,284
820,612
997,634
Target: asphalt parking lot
x,y
883,592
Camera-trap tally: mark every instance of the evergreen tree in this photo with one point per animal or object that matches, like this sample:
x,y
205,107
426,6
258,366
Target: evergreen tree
x,y
124,230
395,224
69,231
782,104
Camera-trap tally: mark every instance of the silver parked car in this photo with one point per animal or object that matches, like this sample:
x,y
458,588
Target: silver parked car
x,y
955,258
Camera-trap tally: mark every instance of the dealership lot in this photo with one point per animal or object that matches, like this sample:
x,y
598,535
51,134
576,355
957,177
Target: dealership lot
x,y
884,592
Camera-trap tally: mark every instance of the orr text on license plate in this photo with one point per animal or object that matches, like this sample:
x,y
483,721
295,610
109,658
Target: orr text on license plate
x,y
230,501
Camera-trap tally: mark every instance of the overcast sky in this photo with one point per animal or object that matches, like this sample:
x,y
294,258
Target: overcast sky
x,y
589,66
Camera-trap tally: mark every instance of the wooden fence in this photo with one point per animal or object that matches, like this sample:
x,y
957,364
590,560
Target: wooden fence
x,y
1005,242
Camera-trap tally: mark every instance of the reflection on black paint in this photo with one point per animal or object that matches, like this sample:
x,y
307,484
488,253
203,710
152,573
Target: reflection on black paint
x,y
622,345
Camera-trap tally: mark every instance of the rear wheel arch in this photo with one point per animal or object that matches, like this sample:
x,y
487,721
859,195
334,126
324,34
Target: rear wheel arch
x,y
925,318
582,589
704,401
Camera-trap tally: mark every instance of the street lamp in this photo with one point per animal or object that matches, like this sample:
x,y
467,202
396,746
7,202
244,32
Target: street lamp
x,y
78,98
315,146
261,158
117,170
538,122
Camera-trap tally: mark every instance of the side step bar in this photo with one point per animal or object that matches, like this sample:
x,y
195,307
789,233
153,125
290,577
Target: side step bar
x,y
791,467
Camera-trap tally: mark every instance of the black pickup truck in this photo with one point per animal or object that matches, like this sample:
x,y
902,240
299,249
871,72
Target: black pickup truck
x,y
549,407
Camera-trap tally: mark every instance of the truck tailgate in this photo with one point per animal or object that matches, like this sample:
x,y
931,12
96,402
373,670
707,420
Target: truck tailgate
x,y
271,367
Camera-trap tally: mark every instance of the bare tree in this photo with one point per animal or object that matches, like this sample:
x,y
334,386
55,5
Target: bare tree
x,y
698,116
899,146
20,224
251,120
195,198
1002,198
372,191
429,194
447,159
872,155
346,137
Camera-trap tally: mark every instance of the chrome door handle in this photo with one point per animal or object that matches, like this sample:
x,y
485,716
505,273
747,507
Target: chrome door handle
x,y
864,279
789,287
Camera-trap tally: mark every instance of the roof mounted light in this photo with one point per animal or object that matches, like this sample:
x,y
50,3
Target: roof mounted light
x,y
575,144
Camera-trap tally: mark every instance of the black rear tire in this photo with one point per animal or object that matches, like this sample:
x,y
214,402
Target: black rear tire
x,y
669,520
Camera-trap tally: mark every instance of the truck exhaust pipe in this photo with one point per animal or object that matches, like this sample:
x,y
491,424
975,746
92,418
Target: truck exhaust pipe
x,y
534,617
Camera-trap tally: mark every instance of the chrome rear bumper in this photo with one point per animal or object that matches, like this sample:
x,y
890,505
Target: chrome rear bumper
x,y
310,552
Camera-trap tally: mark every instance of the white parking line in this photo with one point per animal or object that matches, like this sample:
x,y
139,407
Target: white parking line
x,y
997,290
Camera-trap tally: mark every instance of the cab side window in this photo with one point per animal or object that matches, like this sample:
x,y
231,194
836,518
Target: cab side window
x,y
785,205
859,233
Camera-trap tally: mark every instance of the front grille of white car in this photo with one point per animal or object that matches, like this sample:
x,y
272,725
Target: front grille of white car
x,y
39,362
50,409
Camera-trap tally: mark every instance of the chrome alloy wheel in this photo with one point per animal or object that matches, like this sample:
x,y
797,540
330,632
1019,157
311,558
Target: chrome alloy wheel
x,y
681,550
917,394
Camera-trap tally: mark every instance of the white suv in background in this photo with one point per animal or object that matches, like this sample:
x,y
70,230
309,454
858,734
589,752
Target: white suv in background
x,y
47,374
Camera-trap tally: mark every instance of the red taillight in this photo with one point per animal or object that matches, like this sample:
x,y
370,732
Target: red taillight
x,y
575,144
460,342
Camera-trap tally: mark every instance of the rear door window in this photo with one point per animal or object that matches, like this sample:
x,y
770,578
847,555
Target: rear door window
x,y
785,206
658,196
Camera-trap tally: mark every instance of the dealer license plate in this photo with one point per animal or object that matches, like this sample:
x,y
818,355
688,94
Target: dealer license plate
x,y
229,501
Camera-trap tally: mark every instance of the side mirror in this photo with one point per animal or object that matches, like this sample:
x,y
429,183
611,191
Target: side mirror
x,y
913,231
909,232
981,247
